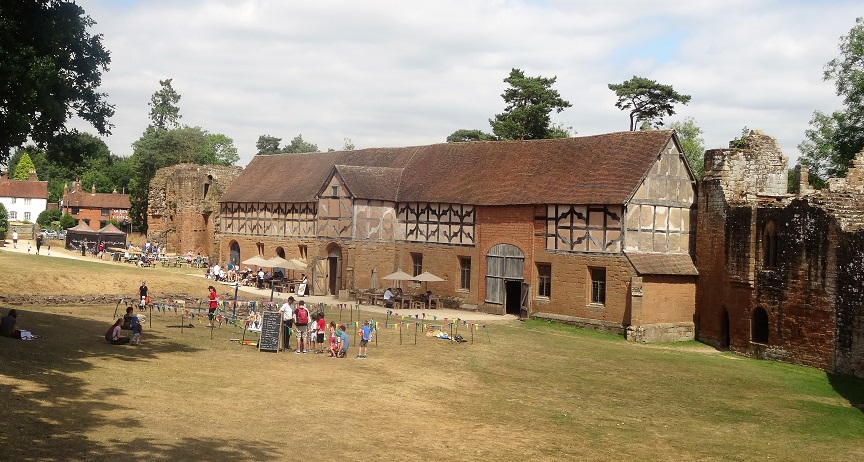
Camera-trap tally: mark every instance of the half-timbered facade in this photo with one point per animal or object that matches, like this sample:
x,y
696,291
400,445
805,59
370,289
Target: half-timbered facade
x,y
592,230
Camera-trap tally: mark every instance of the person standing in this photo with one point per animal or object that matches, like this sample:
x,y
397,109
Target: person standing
x,y
301,321
142,294
365,333
15,239
287,310
213,304
38,243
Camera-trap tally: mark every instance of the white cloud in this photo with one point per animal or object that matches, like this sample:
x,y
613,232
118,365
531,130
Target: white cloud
x,y
393,73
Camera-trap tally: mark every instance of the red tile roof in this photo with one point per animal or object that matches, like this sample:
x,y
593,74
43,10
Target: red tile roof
x,y
24,189
600,169
96,200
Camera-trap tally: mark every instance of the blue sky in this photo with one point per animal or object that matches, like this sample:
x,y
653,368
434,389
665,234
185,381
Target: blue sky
x,y
395,73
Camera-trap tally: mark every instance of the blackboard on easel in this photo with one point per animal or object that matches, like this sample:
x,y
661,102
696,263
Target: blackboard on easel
x,y
271,329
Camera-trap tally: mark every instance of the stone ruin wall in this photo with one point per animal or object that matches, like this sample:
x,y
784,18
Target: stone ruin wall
x,y
183,212
814,294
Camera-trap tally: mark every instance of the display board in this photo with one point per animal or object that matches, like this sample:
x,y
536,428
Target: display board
x,y
271,329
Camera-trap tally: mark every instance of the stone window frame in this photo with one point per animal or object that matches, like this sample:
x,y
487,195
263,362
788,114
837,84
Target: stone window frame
x,y
759,326
416,263
769,245
597,292
544,280
465,274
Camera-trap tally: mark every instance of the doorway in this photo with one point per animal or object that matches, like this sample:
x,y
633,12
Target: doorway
x,y
504,276
513,297
334,267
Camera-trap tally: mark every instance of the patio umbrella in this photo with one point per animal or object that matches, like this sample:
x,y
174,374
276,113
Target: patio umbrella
x,y
426,277
373,281
300,263
398,276
255,261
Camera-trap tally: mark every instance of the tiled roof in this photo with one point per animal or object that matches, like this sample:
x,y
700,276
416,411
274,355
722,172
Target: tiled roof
x,y
600,169
380,183
24,189
96,200
662,263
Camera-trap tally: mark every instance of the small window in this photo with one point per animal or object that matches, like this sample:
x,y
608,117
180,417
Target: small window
x,y
26,216
769,245
76,210
102,223
303,251
544,280
106,212
87,221
417,263
465,273
334,191
27,201
13,215
14,200
598,285
759,326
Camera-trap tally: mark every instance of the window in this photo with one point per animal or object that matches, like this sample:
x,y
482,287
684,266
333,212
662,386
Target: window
x,y
26,216
76,210
14,200
303,251
544,280
465,273
87,221
598,285
13,215
27,201
417,263
769,245
106,212
102,223
334,190
759,326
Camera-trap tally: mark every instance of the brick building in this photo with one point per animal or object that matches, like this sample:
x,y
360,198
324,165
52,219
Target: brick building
x,y
184,206
24,199
781,274
594,230
94,208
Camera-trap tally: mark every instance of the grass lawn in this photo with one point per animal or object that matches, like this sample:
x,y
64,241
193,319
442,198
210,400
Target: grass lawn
x,y
521,391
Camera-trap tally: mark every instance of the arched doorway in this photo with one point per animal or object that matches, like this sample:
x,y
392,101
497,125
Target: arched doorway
x,y
280,252
234,256
505,278
334,265
725,339
759,326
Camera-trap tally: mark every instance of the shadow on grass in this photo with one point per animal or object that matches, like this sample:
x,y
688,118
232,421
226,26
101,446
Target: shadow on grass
x,y
850,388
49,406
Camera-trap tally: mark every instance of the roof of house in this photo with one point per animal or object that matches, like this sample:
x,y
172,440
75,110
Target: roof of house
x,y
24,189
97,200
679,264
599,169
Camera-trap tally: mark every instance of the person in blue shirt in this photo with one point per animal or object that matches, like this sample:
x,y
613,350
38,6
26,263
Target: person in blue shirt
x,y
365,332
342,342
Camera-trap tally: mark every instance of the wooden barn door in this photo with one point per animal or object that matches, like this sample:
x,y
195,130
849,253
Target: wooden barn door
x,y
319,276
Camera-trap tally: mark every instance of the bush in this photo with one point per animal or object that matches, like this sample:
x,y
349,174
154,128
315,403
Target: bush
x,y
4,221
66,221
47,217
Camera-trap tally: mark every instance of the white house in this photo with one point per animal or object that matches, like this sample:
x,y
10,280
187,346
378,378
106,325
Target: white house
x,y
23,199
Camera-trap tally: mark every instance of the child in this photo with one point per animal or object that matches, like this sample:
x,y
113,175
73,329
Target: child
x,y
332,350
28,247
313,333
322,327
342,342
364,333
136,331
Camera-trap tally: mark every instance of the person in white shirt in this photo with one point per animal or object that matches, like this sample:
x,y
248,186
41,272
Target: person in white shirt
x,y
15,239
287,310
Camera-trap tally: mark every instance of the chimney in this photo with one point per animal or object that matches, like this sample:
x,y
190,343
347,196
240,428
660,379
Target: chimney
x,y
31,175
93,188
65,189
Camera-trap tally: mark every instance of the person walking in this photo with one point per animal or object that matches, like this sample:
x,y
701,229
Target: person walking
x,y
301,322
212,305
15,239
142,295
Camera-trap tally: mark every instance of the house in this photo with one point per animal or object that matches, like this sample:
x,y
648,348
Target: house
x,y
594,230
781,274
24,199
93,208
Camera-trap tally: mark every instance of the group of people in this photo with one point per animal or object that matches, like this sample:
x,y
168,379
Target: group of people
x,y
39,239
391,297
310,331
130,322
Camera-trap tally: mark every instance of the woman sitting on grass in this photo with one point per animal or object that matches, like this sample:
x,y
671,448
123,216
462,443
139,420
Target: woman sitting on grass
x,y
113,335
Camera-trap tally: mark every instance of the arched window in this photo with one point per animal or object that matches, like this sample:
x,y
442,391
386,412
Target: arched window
x,y
235,253
280,252
769,245
759,326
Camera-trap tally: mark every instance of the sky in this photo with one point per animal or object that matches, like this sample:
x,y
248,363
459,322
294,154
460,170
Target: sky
x,y
403,73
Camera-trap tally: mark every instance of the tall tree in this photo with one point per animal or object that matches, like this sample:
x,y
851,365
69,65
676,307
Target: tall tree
x,y
4,221
222,150
51,68
529,101
646,100
298,145
690,136
23,168
469,135
267,145
164,112
833,140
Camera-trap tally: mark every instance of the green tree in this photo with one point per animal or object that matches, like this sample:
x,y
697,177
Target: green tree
x,y
47,217
833,140
348,145
469,135
297,146
51,68
164,112
4,221
23,167
690,136
529,101
560,131
646,100
222,150
267,145
66,221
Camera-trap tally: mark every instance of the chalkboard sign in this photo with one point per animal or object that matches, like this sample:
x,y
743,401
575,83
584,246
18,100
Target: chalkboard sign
x,y
271,328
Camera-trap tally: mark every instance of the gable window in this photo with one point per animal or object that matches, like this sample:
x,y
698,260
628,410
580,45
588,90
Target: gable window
x,y
769,245
759,326
465,273
544,280
598,285
417,263
334,191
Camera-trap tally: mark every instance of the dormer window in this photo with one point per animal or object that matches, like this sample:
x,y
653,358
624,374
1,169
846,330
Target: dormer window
x,y
334,191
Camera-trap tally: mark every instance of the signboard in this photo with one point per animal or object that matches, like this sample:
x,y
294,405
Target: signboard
x,y
271,329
